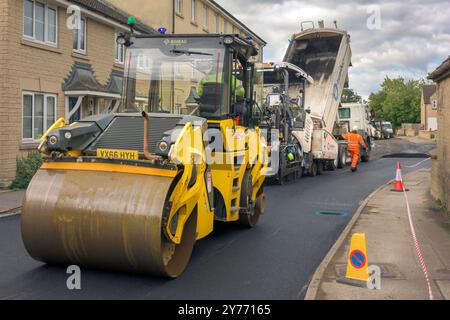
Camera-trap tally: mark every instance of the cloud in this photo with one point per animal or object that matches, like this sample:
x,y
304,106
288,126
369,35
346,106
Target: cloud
x,y
414,36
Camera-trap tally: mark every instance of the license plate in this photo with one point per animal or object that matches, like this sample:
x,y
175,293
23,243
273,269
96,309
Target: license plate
x,y
118,154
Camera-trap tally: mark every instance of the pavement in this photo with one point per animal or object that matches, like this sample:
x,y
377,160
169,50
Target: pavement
x,y
385,222
275,260
10,201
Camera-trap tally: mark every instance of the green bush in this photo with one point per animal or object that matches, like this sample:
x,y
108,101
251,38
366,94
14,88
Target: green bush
x,y
26,169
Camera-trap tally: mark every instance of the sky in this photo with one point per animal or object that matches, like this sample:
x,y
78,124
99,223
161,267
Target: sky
x,y
395,38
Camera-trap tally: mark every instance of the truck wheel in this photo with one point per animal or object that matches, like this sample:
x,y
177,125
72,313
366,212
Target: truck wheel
x,y
320,168
249,215
342,158
313,169
299,173
332,165
365,157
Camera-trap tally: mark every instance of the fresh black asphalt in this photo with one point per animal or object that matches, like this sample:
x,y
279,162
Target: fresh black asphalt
x,y
275,260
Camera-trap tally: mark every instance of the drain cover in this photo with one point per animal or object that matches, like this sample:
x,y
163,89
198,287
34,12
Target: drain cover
x,y
332,213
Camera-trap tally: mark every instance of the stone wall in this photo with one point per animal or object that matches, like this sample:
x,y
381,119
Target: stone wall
x,y
29,66
441,165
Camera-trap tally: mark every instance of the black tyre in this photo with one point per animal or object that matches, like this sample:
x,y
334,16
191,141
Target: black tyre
x,y
249,215
299,173
320,168
365,157
313,169
332,165
342,158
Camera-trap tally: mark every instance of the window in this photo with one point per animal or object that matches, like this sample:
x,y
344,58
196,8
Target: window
x,y
79,37
434,105
225,26
40,22
119,50
216,23
205,16
39,113
234,30
344,113
179,7
72,101
194,11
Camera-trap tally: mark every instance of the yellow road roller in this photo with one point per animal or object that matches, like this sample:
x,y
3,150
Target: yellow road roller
x,y
133,187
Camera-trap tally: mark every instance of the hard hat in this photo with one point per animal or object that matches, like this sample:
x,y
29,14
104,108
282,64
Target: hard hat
x,y
355,128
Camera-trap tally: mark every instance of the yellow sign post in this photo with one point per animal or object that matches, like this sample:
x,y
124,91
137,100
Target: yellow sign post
x,y
357,264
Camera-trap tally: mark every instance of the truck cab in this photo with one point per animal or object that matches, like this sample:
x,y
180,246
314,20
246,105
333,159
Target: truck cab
x,y
357,114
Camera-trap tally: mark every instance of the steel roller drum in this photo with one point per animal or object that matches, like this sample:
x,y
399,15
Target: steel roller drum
x,y
104,220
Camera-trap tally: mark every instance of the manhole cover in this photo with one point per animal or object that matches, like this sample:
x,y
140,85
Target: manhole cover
x,y
332,213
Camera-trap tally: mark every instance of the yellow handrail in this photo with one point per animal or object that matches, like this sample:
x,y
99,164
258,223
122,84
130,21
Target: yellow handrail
x,y
61,122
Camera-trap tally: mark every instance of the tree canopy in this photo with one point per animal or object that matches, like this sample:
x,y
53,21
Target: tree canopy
x,y
350,96
397,101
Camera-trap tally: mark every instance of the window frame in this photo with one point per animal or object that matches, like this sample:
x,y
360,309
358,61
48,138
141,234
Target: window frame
x,y
33,38
116,50
434,104
45,125
205,17
216,23
194,11
179,7
78,50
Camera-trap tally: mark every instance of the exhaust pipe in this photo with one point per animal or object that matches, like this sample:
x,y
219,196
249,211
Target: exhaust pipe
x,y
147,154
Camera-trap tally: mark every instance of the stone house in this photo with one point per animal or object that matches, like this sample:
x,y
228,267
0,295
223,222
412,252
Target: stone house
x,y
51,70
428,108
440,172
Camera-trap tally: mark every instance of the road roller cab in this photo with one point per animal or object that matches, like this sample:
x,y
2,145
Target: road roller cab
x,y
134,189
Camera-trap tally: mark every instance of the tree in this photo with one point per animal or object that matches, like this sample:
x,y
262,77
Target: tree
x,y
350,96
397,101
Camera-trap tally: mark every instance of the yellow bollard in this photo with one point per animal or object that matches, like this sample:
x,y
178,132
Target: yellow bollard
x,y
357,263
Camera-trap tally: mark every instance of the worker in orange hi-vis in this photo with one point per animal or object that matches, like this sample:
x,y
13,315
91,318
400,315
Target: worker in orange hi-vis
x,y
355,142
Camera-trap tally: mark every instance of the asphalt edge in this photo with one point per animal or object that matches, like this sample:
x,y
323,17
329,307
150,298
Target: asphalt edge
x,y
10,212
316,279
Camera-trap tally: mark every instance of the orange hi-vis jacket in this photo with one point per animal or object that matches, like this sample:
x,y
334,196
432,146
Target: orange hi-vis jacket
x,y
354,141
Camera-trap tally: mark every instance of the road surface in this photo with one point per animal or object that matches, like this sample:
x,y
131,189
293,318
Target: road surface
x,y
275,260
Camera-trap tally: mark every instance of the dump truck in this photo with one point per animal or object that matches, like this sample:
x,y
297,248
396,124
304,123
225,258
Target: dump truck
x,y
285,119
134,190
325,55
357,115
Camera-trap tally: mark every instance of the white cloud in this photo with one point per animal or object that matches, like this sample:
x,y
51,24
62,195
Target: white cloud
x,y
414,37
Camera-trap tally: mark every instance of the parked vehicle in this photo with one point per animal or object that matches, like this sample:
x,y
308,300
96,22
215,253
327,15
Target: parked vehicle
x,y
384,129
357,115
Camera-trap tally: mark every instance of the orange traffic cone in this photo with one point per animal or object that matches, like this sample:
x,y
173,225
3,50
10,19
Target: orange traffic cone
x,y
398,183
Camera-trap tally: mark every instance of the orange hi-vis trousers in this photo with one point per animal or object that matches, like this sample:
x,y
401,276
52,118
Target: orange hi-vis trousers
x,y
354,141
354,155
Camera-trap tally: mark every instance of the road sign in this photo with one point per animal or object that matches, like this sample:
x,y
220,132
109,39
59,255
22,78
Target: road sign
x,y
358,259
357,270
